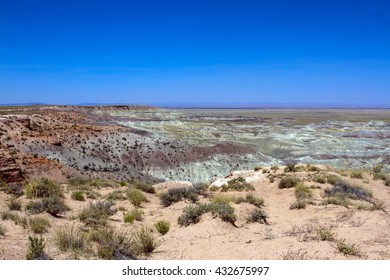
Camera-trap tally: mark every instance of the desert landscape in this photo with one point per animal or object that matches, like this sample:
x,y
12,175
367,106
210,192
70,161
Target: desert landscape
x,y
139,182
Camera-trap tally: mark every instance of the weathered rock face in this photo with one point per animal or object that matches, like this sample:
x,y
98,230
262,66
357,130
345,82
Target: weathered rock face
x,y
10,172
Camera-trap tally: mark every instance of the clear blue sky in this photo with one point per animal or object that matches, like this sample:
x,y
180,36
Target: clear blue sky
x,y
195,51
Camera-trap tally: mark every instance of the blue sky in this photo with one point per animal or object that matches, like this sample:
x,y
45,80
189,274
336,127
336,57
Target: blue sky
x,y
153,52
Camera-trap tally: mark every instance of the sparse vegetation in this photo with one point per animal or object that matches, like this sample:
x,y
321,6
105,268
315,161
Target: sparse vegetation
x,y
162,226
3,230
43,188
345,190
135,214
174,195
312,168
303,192
193,213
332,179
136,197
97,213
258,216
288,182
357,174
257,168
325,234
251,199
347,248
237,184
36,248
290,168
78,195
336,200
142,186
299,204
15,217
52,205
38,225
116,195
377,168
377,205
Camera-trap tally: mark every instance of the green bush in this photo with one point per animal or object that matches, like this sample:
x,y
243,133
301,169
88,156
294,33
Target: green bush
x,y
162,226
97,213
193,213
116,195
78,195
174,195
113,244
38,225
237,184
135,214
128,218
70,239
144,241
52,205
142,186
136,197
288,182
258,216
42,188
251,199
36,249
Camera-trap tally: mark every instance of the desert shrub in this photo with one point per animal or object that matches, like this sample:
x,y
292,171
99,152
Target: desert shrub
x,y
274,167
142,186
288,182
15,205
116,195
193,213
174,195
97,213
85,186
325,234
38,225
52,205
77,195
298,204
135,214
319,179
237,184
78,181
14,189
377,168
303,192
347,248
70,239
312,168
251,199
15,217
162,226
336,200
257,168
3,230
144,241
258,216
332,179
36,248
346,190
113,244
357,174
379,176
42,188
220,198
290,168
136,197
122,183
387,180
377,205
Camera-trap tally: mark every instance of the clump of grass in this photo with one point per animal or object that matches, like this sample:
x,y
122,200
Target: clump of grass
x,y
222,198
136,197
97,213
346,190
162,226
142,186
257,168
299,204
379,176
144,241
16,218
38,225
237,184
290,168
174,195
15,205
299,255
36,249
116,195
336,200
325,234
135,214
319,179
357,174
3,230
258,216
78,195
43,188
70,239
312,168
85,186
274,168
347,248
377,168
122,183
13,188
377,205
193,213
288,182
113,244
52,205
303,192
